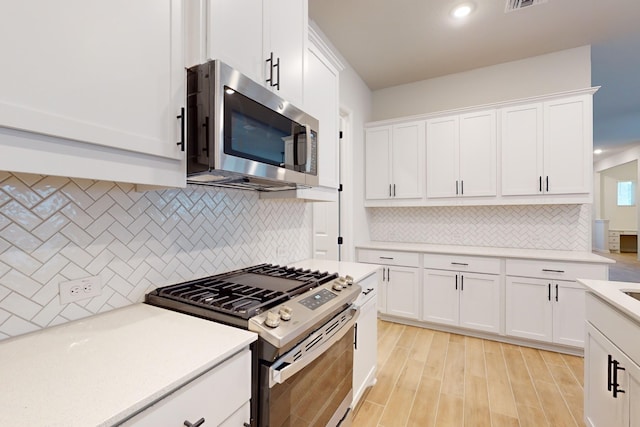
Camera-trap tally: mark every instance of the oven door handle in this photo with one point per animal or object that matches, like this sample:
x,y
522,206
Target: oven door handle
x,y
281,372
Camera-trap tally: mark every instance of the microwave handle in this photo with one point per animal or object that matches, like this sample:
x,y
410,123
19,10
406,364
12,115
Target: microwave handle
x,y
300,153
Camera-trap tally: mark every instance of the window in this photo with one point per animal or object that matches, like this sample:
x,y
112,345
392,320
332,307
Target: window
x,y
626,193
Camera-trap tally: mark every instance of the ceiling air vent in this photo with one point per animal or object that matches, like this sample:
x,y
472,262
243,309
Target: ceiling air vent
x,y
521,4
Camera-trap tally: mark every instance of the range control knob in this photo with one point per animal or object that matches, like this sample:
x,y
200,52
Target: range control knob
x,y
272,320
337,286
349,280
285,313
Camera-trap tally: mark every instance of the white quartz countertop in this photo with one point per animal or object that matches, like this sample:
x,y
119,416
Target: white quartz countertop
x,y
612,292
100,370
356,270
552,255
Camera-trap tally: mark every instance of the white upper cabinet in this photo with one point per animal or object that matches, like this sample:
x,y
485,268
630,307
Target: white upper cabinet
x,y
568,145
88,74
394,161
265,40
522,149
233,30
461,155
546,147
321,100
442,156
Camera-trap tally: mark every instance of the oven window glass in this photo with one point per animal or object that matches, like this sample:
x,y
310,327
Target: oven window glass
x,y
255,132
312,396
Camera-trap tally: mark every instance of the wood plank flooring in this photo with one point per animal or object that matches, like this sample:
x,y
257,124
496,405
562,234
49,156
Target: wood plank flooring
x,y
432,378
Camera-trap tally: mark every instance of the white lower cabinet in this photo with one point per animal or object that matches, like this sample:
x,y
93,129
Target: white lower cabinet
x,y
545,310
365,353
460,298
220,397
400,286
612,384
399,280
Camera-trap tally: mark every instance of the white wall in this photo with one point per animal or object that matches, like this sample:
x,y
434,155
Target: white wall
x,y
555,72
620,217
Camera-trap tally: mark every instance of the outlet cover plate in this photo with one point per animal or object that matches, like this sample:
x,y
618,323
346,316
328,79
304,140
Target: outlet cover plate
x,y
75,290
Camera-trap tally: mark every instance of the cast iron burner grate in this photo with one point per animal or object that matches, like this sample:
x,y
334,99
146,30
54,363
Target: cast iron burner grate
x,y
247,292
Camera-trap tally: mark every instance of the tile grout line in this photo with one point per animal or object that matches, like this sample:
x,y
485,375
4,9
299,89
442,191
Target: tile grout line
x,y
535,389
555,383
504,359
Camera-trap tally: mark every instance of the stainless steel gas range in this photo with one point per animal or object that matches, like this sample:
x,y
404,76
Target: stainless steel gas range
x,y
303,358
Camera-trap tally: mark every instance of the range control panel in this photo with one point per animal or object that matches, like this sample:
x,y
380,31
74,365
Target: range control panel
x,y
316,300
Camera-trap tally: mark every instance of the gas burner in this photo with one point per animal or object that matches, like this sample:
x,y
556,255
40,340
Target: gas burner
x,y
246,292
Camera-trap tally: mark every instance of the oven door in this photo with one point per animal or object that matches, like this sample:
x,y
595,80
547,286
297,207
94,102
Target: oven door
x,y
311,385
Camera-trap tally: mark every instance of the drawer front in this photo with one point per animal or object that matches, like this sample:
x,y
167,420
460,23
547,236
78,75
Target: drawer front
x,y
556,270
462,263
614,234
375,256
614,239
214,396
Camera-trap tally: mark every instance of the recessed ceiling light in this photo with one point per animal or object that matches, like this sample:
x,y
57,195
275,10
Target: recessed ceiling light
x,y
462,10
598,151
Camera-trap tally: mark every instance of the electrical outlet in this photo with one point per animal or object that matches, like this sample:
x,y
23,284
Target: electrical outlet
x,y
75,290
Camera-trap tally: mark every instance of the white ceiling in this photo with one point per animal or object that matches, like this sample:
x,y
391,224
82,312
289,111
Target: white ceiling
x,y
392,42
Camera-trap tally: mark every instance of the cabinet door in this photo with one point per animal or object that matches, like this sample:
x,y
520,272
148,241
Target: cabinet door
x,y
407,160
480,301
440,297
239,46
568,313
402,292
568,145
528,308
321,101
477,160
382,290
365,352
377,164
285,34
521,148
601,408
442,157
109,73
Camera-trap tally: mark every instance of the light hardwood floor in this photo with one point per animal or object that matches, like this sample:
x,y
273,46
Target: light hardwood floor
x,y
431,378
626,268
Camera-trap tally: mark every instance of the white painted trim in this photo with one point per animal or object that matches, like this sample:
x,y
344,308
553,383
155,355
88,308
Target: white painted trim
x,y
317,40
347,219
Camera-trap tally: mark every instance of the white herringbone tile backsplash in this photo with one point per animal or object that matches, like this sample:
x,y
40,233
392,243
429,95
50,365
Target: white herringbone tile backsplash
x,y
561,227
55,229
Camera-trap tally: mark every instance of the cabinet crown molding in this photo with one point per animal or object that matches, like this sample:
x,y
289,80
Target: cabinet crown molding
x,y
471,109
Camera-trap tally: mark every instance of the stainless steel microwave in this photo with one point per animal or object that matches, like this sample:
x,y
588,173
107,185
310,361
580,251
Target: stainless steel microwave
x,y
242,135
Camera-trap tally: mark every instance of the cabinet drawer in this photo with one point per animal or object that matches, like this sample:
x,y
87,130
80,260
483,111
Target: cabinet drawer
x,y
375,256
215,396
614,239
556,269
614,234
462,263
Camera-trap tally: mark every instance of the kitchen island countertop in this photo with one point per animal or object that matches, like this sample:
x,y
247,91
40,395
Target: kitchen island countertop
x,y
612,292
102,369
488,251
